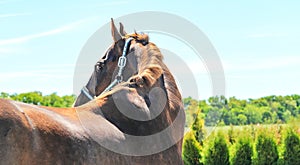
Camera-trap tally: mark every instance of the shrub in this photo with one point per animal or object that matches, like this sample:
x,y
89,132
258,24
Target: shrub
x,y
217,152
266,150
231,135
198,128
291,153
243,152
191,150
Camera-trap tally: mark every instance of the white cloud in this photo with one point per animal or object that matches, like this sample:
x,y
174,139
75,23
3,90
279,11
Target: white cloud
x,y
4,1
13,14
43,34
40,71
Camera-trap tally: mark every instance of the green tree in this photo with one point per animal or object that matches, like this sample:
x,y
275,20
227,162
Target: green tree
x,y
231,135
187,101
191,150
287,115
213,117
198,128
4,95
217,152
37,98
291,153
191,111
218,101
253,114
68,100
261,102
233,115
244,152
30,97
236,103
53,100
267,117
266,150
242,119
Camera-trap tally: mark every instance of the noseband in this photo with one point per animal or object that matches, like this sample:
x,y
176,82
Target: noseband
x,y
119,78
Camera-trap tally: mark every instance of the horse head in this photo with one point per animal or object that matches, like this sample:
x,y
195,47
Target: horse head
x,y
106,69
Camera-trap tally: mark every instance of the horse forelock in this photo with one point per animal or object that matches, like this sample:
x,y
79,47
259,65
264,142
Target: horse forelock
x,y
143,38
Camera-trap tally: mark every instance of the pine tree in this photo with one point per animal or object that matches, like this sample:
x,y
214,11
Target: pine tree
x,y
191,150
217,152
266,149
198,128
291,153
243,154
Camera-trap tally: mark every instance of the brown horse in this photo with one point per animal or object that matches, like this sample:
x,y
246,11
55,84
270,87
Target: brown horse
x,y
106,130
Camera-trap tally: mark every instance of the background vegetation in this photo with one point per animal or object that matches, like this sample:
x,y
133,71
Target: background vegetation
x,y
243,132
37,98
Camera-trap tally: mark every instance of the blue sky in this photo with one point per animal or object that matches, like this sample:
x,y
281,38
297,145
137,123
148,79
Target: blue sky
x,y
257,41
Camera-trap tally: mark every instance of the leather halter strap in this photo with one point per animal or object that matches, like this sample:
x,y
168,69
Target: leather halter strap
x,y
86,92
119,77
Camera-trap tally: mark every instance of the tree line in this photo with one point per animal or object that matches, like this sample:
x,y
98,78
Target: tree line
x,y
216,110
219,110
37,98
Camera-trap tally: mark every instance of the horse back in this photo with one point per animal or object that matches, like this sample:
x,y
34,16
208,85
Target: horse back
x,y
35,135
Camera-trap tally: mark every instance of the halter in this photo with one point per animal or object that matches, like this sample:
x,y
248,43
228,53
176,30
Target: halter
x,y
119,78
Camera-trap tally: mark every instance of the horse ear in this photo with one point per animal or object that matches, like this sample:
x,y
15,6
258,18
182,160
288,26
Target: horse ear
x,y
114,32
122,31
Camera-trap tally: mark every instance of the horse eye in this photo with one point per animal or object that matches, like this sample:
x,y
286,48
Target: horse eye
x,y
144,43
99,66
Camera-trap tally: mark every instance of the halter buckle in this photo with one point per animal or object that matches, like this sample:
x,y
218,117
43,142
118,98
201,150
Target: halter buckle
x,y
122,62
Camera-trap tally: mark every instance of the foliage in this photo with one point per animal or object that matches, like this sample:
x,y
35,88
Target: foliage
x,y
232,111
217,152
191,150
192,109
291,153
198,129
244,152
253,144
37,98
266,150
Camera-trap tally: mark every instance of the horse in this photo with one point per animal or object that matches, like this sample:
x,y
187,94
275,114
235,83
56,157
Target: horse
x,y
108,116
146,69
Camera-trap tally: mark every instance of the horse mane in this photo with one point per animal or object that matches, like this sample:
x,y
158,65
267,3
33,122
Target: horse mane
x,y
152,67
